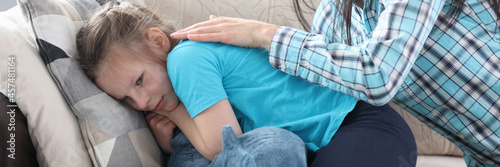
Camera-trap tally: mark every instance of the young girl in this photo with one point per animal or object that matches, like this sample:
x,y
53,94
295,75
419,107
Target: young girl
x,y
202,87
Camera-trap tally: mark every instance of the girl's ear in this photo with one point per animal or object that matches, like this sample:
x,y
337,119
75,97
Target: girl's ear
x,y
158,38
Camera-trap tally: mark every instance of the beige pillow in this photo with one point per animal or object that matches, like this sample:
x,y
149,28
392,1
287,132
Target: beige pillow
x,y
52,126
428,141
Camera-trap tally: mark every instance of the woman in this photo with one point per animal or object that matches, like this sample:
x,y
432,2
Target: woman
x,y
201,87
438,60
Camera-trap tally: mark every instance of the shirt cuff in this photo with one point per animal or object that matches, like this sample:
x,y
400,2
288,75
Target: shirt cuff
x,y
285,49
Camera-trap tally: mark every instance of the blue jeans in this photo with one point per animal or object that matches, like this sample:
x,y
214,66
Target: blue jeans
x,y
266,146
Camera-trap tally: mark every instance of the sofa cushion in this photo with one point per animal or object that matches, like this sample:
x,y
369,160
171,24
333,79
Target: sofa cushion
x,y
52,126
114,133
440,161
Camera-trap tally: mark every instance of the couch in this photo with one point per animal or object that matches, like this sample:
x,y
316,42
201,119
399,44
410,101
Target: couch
x,y
60,120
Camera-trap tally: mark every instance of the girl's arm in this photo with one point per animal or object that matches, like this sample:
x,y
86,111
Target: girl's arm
x,y
205,130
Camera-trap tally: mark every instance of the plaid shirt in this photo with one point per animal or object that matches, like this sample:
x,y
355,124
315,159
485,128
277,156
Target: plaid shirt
x,y
447,76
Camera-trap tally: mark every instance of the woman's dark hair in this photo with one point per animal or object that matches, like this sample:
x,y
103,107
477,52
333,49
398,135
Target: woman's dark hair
x,y
345,7
300,15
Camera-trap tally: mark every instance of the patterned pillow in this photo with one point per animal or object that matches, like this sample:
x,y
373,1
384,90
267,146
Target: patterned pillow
x,y
52,127
115,134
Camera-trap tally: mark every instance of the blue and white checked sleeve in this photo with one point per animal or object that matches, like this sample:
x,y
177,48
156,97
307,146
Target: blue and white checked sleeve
x,y
372,70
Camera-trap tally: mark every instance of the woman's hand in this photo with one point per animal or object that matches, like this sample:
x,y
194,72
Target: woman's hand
x,y
235,31
163,130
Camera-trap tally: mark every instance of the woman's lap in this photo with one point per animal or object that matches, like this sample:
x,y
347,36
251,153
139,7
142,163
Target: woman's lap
x,y
369,136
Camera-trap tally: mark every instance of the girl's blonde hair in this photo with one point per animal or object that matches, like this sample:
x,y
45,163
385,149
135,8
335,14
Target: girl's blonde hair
x,y
114,23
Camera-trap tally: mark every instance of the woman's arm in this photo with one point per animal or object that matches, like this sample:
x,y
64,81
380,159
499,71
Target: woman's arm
x,y
372,71
205,130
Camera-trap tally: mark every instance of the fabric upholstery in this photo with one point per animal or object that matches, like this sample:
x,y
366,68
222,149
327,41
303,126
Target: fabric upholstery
x,y
52,126
188,12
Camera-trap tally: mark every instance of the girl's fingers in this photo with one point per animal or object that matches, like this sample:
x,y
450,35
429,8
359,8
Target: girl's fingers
x,y
165,120
169,125
150,116
159,113
154,118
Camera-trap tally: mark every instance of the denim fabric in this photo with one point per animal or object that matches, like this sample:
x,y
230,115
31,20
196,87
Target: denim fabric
x,y
185,155
266,146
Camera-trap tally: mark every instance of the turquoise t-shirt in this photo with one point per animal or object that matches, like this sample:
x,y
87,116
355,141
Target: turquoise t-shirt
x,y
203,74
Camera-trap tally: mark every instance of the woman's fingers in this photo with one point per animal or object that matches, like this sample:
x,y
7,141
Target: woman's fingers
x,y
213,25
213,33
234,31
213,21
212,37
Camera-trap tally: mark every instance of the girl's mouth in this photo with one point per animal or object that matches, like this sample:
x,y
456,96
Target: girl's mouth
x,y
159,105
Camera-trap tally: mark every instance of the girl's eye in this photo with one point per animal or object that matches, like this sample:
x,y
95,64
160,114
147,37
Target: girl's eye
x,y
139,81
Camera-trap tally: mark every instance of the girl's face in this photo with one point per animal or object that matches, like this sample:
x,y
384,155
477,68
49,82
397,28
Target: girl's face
x,y
142,83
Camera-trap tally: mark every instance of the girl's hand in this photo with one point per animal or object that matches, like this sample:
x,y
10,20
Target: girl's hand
x,y
235,31
163,130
